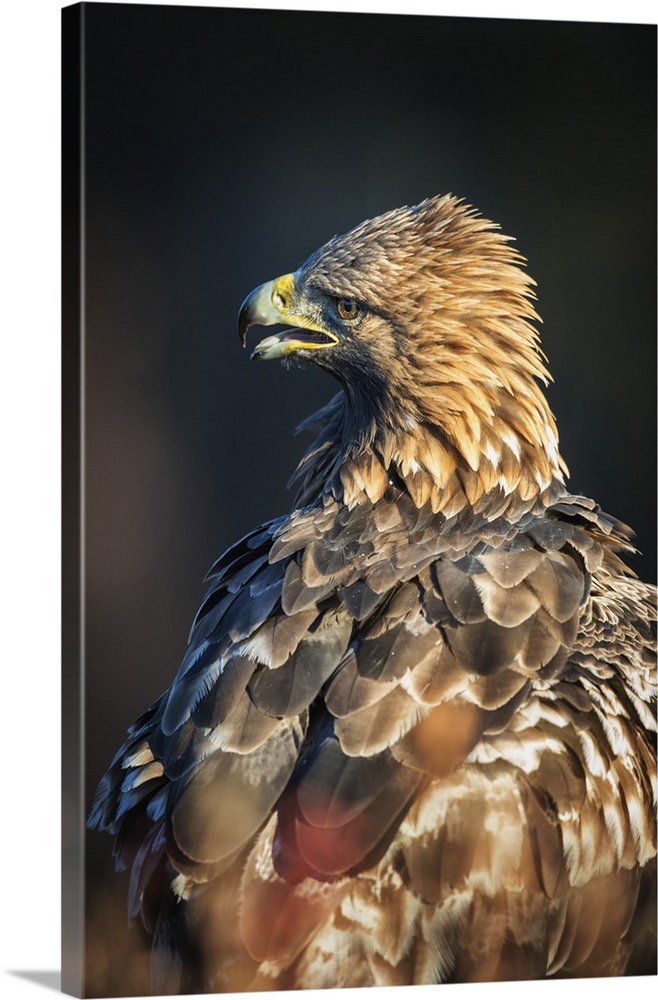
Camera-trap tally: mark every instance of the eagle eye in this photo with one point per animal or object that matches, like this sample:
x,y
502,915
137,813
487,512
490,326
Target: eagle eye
x,y
348,309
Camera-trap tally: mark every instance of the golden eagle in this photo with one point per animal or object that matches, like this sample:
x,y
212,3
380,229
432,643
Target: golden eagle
x,y
413,736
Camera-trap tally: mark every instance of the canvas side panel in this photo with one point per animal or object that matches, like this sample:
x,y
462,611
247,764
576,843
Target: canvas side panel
x,y
72,500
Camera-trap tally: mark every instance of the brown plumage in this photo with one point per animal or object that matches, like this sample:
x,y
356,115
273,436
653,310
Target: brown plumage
x,y
413,738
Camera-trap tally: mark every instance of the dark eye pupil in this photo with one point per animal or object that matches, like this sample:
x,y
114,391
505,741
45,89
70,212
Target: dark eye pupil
x,y
348,309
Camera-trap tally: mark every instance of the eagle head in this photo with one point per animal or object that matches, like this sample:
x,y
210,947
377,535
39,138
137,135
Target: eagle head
x,y
425,316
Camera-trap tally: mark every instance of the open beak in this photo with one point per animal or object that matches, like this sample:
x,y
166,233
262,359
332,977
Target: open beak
x,y
270,304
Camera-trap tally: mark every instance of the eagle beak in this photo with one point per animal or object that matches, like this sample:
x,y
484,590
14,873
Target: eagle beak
x,y
269,304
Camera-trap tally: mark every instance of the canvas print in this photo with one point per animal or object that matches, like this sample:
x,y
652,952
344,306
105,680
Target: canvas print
x,y
374,705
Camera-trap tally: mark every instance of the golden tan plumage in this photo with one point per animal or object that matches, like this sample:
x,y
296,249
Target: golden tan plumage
x,y
413,739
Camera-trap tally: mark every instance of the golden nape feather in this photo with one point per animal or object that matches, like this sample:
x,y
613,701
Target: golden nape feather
x,y
413,736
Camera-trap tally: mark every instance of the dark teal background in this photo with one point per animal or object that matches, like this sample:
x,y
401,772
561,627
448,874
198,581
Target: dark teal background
x,y
221,147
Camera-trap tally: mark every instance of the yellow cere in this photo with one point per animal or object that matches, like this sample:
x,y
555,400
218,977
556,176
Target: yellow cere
x,y
282,293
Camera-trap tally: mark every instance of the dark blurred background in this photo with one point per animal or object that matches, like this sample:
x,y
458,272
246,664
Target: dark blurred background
x,y
222,146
